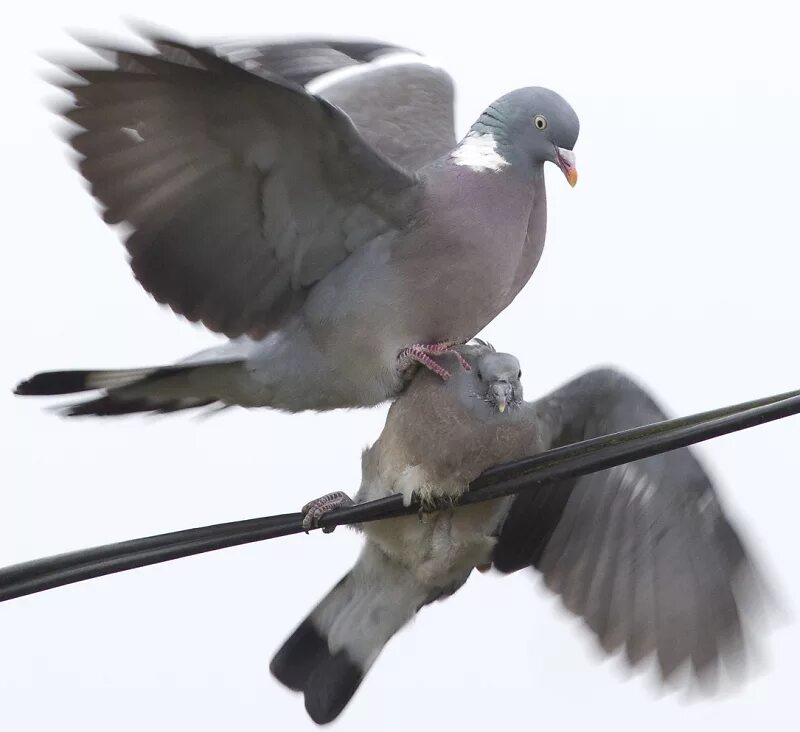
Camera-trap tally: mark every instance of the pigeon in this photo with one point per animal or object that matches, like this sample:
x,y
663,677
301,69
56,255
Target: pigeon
x,y
310,202
642,552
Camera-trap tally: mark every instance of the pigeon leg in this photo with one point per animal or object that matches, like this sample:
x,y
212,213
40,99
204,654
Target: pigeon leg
x,y
445,347
314,510
422,354
416,354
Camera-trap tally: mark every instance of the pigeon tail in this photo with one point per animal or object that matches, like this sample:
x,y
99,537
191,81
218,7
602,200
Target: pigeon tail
x,y
160,389
330,652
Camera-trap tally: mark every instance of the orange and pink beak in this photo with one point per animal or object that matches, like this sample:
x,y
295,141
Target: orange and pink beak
x,y
566,161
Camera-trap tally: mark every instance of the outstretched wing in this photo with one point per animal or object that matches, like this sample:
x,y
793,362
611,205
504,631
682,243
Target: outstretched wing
x,y
242,190
642,551
401,102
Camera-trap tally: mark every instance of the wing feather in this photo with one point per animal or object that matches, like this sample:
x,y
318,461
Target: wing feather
x,y
242,190
643,552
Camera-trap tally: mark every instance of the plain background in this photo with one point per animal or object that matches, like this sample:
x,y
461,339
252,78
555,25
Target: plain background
x,y
675,258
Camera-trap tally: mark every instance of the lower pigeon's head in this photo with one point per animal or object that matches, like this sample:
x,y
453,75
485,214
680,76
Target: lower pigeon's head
x,y
527,127
499,377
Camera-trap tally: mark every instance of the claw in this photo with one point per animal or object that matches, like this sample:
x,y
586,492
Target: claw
x,y
314,510
445,347
430,505
422,354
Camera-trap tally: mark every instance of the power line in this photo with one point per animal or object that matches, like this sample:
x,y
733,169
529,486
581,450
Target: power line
x,y
580,458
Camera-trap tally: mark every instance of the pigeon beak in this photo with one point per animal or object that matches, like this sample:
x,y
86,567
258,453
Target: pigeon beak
x,y
566,161
501,393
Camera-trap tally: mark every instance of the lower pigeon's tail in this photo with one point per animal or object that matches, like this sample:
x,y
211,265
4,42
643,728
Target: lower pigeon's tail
x,y
127,391
331,651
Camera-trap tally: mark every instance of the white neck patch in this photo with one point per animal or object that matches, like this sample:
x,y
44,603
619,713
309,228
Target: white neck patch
x,y
478,151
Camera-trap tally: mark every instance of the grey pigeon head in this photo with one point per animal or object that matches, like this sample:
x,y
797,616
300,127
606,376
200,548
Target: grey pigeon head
x,y
526,128
499,377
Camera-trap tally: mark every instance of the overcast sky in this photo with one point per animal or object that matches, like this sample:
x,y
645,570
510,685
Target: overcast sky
x,y
676,258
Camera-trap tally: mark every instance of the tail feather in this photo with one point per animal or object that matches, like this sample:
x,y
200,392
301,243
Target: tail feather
x,y
51,383
330,652
109,406
159,390
305,650
331,686
328,680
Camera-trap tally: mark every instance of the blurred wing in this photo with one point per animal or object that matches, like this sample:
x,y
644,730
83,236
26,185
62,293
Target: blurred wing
x,y
242,191
399,101
304,61
643,552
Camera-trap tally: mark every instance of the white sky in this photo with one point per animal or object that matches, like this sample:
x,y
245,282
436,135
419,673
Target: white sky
x,y
676,258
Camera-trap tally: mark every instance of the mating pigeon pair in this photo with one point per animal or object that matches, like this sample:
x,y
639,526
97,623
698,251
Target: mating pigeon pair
x,y
335,232
309,200
643,552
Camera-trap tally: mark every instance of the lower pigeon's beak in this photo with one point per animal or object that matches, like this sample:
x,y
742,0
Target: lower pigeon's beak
x,y
566,161
501,395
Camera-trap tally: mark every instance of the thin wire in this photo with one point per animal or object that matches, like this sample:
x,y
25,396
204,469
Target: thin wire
x,y
553,465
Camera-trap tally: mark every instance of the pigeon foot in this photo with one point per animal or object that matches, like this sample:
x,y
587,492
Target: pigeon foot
x,y
430,507
314,510
422,354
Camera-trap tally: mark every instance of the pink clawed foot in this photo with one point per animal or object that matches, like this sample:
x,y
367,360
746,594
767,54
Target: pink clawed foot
x,y
444,347
416,354
422,354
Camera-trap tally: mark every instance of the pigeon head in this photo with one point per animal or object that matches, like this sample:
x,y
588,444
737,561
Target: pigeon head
x,y
499,375
527,127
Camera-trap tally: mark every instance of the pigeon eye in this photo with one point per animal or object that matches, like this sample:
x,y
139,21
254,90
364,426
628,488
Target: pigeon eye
x,y
539,122
519,375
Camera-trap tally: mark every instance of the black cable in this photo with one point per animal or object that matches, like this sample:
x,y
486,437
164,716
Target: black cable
x,y
564,462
